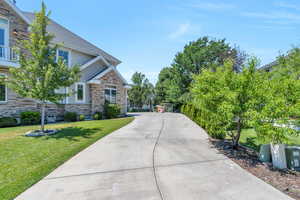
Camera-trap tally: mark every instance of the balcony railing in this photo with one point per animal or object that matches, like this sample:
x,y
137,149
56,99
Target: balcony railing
x,y
8,54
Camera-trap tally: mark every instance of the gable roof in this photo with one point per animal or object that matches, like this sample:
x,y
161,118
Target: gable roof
x,y
73,41
269,66
17,10
96,77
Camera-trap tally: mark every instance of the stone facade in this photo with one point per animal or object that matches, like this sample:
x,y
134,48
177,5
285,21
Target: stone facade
x,y
97,92
18,30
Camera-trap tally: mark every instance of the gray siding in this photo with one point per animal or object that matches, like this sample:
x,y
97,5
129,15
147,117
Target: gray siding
x,y
80,58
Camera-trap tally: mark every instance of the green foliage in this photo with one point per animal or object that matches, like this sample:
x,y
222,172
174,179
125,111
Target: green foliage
x,y
39,74
174,82
227,99
97,116
141,92
81,117
70,117
30,118
8,122
282,100
203,120
111,111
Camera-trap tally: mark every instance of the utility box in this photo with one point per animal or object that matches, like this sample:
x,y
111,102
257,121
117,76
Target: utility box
x,y
278,156
265,153
293,157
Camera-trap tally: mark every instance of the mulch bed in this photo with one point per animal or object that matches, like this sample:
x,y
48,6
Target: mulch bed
x,y
286,181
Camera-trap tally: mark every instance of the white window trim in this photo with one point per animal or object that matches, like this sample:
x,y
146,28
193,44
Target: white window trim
x,y
76,89
107,87
6,28
6,92
70,55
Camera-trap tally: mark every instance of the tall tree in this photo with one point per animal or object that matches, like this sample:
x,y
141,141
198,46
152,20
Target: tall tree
x,y
196,56
40,74
141,92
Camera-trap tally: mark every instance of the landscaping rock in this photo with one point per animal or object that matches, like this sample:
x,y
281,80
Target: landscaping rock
x,y
39,133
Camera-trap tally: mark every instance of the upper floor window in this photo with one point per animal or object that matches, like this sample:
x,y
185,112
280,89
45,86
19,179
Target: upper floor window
x,y
3,21
65,55
111,94
80,92
3,91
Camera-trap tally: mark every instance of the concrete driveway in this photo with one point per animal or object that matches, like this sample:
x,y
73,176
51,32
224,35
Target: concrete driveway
x,y
157,156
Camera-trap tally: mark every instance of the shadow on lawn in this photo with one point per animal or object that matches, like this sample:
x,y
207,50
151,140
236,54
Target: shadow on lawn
x,y
74,133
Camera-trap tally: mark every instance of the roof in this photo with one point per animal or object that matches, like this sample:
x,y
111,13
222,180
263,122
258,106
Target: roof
x,y
71,40
17,10
268,66
102,73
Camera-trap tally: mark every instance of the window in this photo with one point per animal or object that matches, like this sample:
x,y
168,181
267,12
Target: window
x,y
80,92
4,37
111,94
64,55
3,91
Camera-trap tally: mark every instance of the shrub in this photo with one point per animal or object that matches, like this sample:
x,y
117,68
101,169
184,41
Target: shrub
x,y
97,116
70,117
8,122
81,117
30,118
111,111
209,123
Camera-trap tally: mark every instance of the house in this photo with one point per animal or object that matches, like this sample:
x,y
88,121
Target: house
x,y
100,80
269,67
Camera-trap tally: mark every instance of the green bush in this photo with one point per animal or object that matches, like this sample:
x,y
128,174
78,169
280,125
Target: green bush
x,y
111,111
81,117
212,126
8,122
70,117
30,118
97,116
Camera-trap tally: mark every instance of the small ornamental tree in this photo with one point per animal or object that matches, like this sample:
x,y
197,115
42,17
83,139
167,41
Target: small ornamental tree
x,y
228,98
40,73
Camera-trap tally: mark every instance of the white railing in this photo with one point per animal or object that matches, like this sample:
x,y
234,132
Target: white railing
x,y
8,54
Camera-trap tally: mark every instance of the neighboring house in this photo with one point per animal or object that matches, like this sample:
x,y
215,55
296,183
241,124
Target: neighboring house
x,y
269,67
100,80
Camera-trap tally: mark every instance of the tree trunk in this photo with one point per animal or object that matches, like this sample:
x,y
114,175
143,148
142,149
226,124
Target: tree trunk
x,y
43,117
238,135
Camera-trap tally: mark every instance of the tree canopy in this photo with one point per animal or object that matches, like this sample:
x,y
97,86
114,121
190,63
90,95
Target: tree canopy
x,y
41,73
174,82
141,92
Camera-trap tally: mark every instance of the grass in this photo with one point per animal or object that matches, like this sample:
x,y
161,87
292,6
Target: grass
x,y
249,139
24,161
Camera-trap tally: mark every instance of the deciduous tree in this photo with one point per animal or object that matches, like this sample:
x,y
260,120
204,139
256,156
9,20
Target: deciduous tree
x,y
40,73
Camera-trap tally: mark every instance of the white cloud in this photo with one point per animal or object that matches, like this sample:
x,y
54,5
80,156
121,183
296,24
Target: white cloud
x,y
180,31
213,6
283,4
275,15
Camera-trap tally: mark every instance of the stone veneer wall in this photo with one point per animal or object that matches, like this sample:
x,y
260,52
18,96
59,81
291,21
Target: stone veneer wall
x,y
97,92
81,109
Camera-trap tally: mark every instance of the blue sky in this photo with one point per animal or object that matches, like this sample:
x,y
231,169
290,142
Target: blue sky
x,y
146,34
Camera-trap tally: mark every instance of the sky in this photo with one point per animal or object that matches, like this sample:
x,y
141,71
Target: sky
x,y
146,34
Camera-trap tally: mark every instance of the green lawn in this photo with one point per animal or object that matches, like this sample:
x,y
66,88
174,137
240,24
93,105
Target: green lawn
x,y
24,161
249,139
